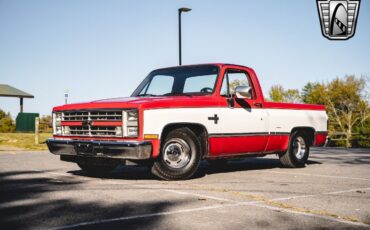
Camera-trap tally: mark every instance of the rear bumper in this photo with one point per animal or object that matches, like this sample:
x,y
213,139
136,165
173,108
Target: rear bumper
x,y
103,149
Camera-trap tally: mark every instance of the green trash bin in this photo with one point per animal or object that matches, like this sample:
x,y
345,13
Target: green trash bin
x,y
25,122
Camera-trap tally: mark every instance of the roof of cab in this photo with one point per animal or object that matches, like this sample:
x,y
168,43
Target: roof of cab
x,y
203,64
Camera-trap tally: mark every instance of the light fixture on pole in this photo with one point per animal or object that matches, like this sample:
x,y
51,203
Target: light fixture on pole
x,y
66,92
183,9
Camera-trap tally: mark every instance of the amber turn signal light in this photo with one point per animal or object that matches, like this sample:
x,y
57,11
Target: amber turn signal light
x,y
151,136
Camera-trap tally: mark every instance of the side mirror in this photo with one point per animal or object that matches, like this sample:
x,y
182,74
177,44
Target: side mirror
x,y
243,92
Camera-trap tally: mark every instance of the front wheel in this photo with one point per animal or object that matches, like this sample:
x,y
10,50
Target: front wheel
x,y
298,150
180,155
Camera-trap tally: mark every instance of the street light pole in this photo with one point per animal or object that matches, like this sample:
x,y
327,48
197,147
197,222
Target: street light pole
x,y
179,37
183,9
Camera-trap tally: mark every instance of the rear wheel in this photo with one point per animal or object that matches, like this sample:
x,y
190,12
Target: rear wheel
x,y
298,151
180,155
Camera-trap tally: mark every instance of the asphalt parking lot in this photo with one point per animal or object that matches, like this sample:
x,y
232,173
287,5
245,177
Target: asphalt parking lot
x,y
38,191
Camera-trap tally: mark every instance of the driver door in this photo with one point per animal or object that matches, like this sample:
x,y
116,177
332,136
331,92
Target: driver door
x,y
243,123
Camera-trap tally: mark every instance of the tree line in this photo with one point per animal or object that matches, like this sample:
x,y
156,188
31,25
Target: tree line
x,y
347,105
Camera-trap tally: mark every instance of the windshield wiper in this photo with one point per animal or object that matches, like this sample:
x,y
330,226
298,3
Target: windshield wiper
x,y
177,94
147,95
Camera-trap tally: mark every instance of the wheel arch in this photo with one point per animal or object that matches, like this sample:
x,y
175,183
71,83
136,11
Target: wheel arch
x,y
199,130
309,132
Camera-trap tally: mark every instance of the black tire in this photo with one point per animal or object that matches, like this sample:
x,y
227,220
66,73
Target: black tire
x,y
298,143
180,155
97,170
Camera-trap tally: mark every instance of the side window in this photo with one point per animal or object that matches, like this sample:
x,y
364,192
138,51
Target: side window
x,y
159,85
236,78
199,83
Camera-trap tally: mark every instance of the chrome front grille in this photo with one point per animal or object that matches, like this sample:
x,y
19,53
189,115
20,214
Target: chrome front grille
x,y
95,123
92,116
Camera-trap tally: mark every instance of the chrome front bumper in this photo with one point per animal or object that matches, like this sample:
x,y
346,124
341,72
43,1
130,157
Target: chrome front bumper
x,y
102,149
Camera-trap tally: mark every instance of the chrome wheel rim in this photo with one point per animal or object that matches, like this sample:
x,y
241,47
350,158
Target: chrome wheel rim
x,y
299,148
176,153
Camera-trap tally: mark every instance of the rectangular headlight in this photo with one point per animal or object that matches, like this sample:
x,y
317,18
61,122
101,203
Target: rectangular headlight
x,y
57,123
132,115
58,119
130,123
58,130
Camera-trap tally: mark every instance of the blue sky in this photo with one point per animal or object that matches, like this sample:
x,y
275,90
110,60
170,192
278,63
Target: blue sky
x,y
103,49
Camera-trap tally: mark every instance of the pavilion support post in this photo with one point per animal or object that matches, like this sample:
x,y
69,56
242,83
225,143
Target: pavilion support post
x,y
37,130
21,104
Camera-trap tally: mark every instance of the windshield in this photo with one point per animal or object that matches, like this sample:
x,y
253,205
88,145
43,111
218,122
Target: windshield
x,y
187,80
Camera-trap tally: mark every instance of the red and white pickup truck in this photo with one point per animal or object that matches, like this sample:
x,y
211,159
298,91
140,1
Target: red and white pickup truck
x,y
181,115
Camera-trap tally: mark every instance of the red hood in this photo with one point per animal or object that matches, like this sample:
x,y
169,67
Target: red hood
x,y
143,103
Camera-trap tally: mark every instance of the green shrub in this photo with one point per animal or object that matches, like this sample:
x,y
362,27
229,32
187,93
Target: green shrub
x,y
6,123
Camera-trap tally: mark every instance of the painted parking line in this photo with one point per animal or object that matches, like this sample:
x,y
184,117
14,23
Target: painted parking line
x,y
201,196
103,221
212,207
329,218
276,204
114,182
321,194
268,204
318,175
258,202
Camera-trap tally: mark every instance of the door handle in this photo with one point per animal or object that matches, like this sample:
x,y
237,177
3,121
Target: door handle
x,y
257,104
